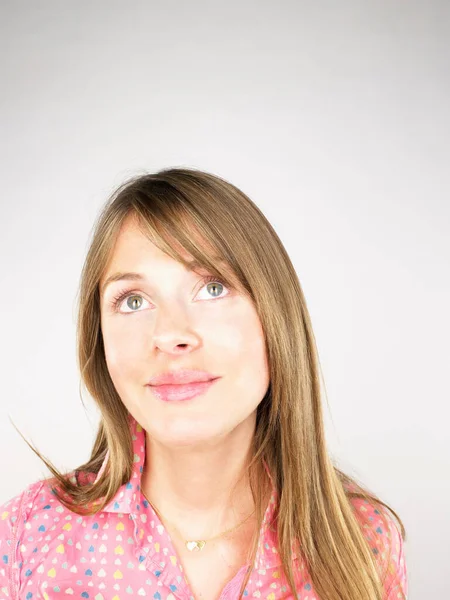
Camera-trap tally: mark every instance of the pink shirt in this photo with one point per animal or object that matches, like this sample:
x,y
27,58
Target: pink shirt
x,y
48,552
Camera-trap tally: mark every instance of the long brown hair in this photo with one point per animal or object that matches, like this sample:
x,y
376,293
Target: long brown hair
x,y
314,495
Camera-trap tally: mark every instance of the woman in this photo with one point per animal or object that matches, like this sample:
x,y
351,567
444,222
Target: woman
x,y
209,477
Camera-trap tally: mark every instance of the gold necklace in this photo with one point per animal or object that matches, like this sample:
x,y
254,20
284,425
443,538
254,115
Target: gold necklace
x,y
196,545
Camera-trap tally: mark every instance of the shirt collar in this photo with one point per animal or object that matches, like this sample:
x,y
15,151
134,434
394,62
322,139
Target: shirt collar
x,y
128,495
128,499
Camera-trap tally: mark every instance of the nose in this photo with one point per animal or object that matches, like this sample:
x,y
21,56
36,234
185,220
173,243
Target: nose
x,y
173,332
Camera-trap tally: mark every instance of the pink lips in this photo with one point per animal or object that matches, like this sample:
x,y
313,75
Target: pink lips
x,y
181,385
185,391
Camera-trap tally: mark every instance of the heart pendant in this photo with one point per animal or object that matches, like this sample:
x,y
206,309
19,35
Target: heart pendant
x,y
195,545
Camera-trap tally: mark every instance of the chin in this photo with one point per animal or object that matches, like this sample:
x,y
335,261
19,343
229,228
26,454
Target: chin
x,y
187,434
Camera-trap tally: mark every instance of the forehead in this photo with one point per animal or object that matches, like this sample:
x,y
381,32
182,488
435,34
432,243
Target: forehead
x,y
133,254
134,251
133,241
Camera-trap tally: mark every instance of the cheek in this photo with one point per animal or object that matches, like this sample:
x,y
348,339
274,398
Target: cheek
x,y
123,346
241,350
254,356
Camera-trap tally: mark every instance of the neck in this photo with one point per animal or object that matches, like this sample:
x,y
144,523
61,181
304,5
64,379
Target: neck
x,y
201,491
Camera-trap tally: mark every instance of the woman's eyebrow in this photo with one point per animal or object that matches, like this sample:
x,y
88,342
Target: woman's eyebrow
x,y
133,276
119,276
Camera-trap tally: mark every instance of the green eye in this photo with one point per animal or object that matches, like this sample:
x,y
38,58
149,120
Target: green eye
x,y
214,286
133,299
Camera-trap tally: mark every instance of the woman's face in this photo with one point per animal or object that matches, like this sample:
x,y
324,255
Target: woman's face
x,y
173,319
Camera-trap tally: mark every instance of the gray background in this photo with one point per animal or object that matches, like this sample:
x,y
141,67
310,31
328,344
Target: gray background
x,y
334,118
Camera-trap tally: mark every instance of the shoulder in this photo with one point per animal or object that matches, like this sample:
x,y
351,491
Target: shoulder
x,y
15,514
33,514
384,535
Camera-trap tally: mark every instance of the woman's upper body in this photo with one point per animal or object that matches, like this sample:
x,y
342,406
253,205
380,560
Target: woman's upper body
x,y
124,551
185,273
